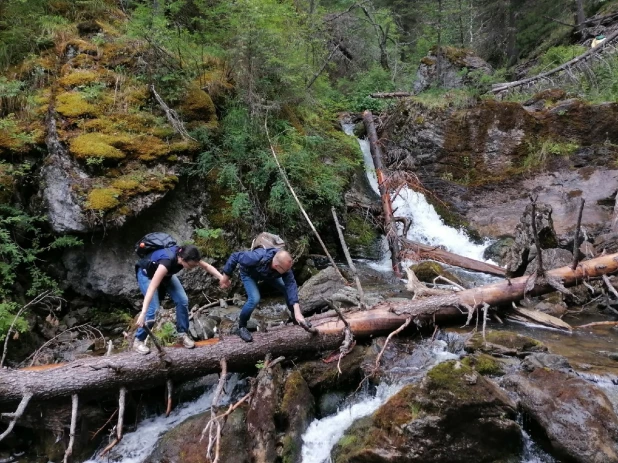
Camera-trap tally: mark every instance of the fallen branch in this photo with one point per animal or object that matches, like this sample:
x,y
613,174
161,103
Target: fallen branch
x,y
300,206
172,116
397,331
213,427
589,325
361,294
391,94
69,450
169,385
16,415
577,230
121,405
34,301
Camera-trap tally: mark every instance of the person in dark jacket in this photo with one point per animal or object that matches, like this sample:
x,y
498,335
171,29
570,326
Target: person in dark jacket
x,y
158,272
272,265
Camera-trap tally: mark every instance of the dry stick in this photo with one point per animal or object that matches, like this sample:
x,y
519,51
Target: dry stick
x,y
214,435
105,424
440,277
36,300
58,335
577,229
302,209
18,413
597,324
121,403
172,116
169,385
609,285
539,268
361,294
398,330
69,451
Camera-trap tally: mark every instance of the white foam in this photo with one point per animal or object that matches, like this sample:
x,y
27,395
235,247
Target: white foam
x,y
136,446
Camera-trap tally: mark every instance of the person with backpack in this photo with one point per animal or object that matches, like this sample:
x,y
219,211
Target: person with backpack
x,y
161,259
272,265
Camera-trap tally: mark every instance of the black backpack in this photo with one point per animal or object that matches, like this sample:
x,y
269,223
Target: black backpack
x,y
153,242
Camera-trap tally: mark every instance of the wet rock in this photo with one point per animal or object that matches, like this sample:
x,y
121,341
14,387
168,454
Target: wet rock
x,y
485,365
183,444
504,343
203,327
518,256
327,284
455,415
576,416
552,258
428,270
323,377
555,309
607,242
329,403
295,414
544,360
448,73
497,251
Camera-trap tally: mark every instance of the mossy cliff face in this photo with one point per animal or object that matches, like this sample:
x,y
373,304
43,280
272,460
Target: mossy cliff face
x,y
116,149
455,415
484,158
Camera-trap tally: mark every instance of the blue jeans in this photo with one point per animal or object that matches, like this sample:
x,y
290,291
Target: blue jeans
x,y
253,296
174,288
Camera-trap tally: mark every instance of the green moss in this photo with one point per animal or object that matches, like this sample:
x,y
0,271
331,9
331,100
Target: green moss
x,y
125,184
485,364
355,440
103,199
399,410
291,451
78,77
197,105
428,270
359,234
73,104
6,184
97,145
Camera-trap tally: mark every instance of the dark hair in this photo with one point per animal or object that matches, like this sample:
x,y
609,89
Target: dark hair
x,y
189,253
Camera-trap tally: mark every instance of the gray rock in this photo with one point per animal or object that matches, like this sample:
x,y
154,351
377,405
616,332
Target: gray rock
x,y
448,72
576,415
329,403
544,360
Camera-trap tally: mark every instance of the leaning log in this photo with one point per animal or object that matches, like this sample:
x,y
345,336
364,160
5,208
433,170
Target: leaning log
x,y
136,371
423,251
390,229
391,95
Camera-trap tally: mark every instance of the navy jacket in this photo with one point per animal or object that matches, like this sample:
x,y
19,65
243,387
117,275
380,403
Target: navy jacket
x,y
256,264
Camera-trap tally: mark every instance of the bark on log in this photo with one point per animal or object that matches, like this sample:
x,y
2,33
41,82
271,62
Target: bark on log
x,y
499,88
389,223
137,371
424,251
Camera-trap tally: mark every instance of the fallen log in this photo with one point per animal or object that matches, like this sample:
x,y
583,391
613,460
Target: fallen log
x,y
391,94
390,230
424,251
136,371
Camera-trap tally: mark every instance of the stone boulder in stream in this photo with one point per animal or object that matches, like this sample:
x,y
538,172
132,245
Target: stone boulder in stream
x,y
576,416
454,415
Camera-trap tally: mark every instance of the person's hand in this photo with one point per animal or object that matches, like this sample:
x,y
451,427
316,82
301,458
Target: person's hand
x,y
224,282
140,320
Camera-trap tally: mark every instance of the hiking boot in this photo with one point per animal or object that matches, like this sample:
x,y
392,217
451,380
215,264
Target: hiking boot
x,y
244,334
140,346
186,340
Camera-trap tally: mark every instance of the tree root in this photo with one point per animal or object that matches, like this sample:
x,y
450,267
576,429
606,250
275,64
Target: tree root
x,y
16,415
121,405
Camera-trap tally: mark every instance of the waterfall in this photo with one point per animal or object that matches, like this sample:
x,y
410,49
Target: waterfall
x,y
136,446
427,226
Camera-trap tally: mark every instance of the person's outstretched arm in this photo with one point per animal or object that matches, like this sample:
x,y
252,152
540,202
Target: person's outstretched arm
x,y
244,258
157,278
223,282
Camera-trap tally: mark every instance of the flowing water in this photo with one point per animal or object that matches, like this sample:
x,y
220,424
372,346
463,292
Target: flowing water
x,y
136,446
427,226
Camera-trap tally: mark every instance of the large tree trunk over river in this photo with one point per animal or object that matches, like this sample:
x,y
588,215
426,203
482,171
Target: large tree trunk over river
x,y
136,371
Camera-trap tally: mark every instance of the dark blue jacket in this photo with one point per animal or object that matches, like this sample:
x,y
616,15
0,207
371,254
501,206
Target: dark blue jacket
x,y
256,264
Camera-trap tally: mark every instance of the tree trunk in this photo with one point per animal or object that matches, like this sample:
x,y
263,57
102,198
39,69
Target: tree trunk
x,y
136,371
389,224
580,14
424,251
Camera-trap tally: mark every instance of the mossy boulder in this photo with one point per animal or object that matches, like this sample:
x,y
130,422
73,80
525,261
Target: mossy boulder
x,y
360,236
295,413
504,343
484,364
73,104
428,270
323,377
455,415
197,105
183,444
